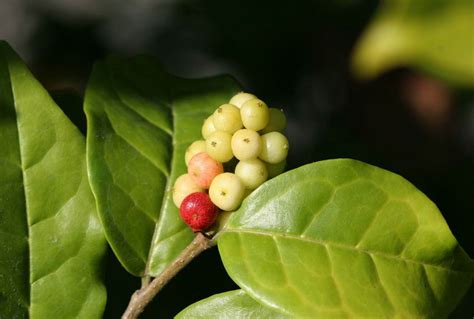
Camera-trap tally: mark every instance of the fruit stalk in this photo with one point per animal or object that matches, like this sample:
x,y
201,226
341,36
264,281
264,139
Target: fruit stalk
x,y
145,295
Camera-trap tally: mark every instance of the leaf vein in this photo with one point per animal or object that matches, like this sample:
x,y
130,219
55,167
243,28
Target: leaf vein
x,y
142,211
382,286
372,222
343,246
128,106
42,158
138,150
336,282
318,215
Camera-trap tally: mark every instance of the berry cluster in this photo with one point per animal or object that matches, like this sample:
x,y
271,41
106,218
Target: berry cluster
x,y
244,137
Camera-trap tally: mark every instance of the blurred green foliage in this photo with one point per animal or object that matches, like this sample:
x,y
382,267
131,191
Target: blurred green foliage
x,y
436,36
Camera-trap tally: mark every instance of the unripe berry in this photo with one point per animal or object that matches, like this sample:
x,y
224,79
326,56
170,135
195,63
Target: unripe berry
x,y
240,98
254,114
277,122
208,127
193,149
227,118
218,146
275,147
252,173
203,168
183,186
198,211
246,144
227,191
275,169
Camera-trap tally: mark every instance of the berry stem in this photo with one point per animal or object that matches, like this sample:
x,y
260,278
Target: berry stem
x,y
145,295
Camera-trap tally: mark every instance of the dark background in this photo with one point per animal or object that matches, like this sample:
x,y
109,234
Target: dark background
x,y
294,55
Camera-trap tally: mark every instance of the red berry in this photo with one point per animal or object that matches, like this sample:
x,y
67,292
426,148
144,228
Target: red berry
x,y
198,211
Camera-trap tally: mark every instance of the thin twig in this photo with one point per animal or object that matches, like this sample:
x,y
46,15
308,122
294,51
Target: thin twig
x,y
142,297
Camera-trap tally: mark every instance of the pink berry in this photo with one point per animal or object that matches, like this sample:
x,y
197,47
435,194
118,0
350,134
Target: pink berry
x,y
202,168
198,211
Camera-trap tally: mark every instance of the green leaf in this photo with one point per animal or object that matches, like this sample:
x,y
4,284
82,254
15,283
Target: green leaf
x,y
51,240
436,36
141,120
231,304
344,239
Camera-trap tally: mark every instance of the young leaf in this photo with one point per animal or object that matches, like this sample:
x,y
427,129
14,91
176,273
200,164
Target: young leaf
x,y
51,241
435,36
141,120
231,304
344,239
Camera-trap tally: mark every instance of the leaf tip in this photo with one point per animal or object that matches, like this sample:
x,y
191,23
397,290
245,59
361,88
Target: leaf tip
x,y
381,47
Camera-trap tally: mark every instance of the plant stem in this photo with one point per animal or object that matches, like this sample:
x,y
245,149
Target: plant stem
x,y
142,297
145,281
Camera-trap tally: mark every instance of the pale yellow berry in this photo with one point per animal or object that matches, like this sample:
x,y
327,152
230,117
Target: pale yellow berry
x,y
252,173
208,127
240,98
254,114
184,186
227,118
193,149
227,191
246,144
274,147
218,146
277,122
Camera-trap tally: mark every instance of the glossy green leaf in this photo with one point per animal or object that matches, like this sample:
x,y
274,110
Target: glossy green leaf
x,y
229,305
51,241
344,239
436,36
140,121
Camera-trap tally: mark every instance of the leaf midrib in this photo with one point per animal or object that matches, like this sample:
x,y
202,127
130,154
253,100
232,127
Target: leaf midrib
x,y
168,186
339,245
